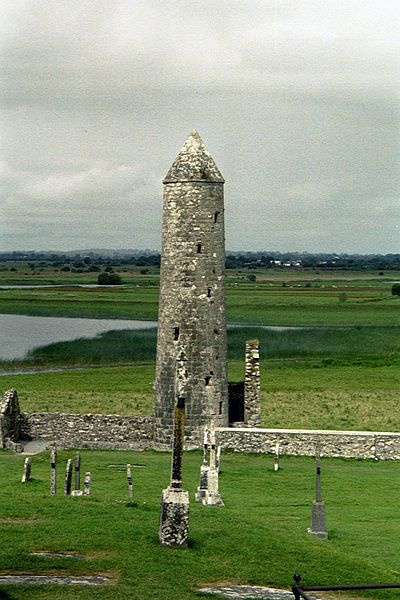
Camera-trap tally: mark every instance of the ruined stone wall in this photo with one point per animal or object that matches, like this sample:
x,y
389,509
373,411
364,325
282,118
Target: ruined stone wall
x,y
89,431
252,389
349,444
9,419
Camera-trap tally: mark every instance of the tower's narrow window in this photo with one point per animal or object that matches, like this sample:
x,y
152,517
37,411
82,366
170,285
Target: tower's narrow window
x,y
176,334
216,215
199,248
216,331
220,408
208,292
207,379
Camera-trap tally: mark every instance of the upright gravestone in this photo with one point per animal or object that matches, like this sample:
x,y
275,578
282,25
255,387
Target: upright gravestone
x,y
318,526
174,517
277,456
87,484
203,483
78,471
129,476
26,475
53,471
68,478
212,497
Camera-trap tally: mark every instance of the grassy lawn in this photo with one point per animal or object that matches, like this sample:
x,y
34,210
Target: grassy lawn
x,y
259,537
298,396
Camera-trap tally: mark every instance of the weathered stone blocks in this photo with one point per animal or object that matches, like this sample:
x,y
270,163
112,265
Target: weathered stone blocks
x,y
192,294
174,518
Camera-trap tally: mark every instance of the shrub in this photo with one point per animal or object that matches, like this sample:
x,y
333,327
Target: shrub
x,y
108,279
396,289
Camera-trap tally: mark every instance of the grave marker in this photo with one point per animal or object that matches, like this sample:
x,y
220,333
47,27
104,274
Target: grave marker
x,y
212,497
174,517
318,526
26,475
202,488
53,471
129,475
68,478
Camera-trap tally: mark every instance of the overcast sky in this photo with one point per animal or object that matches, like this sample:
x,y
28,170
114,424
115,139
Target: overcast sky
x,y
296,100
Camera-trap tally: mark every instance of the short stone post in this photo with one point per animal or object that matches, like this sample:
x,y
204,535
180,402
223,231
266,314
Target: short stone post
x,y
202,488
174,517
26,475
252,397
276,463
53,471
87,484
68,478
78,471
129,476
212,497
318,526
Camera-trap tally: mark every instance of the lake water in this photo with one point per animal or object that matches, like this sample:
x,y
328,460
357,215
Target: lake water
x,y
20,333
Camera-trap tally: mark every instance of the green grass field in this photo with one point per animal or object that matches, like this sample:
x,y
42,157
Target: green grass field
x,y
353,397
276,298
344,375
259,537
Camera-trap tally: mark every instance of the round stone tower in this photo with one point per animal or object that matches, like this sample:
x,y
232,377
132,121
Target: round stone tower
x,y
192,320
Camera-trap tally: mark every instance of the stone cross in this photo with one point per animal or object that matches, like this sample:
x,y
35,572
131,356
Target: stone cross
x,y
87,484
318,526
202,488
276,463
68,478
174,517
212,496
77,471
177,452
26,475
129,476
53,471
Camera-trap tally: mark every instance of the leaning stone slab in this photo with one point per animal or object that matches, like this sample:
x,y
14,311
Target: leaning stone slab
x,y
52,579
174,518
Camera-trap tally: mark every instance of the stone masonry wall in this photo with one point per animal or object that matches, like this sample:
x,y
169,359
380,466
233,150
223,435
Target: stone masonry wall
x,y
347,444
9,419
192,295
252,391
89,431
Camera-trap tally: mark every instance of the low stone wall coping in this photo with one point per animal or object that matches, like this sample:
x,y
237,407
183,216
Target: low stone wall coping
x,y
245,430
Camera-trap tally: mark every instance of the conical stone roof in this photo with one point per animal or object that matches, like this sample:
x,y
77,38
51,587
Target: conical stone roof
x,y
193,163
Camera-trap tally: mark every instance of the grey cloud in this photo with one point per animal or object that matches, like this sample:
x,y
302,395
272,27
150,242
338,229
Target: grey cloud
x,y
295,99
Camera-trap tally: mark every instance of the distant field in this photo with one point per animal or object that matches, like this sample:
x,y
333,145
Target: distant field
x,y
361,298
344,375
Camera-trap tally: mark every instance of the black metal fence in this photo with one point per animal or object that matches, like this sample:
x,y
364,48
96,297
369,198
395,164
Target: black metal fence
x,y
299,591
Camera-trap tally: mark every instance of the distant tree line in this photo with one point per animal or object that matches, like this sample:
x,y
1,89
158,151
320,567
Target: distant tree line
x,y
92,262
